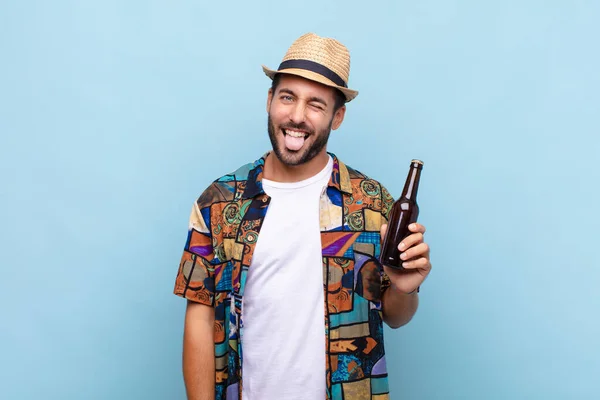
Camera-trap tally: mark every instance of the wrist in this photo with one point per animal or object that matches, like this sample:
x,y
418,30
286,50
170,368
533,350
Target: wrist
x,y
414,291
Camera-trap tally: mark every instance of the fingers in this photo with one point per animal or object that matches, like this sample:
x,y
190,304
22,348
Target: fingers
x,y
419,263
422,249
410,241
416,227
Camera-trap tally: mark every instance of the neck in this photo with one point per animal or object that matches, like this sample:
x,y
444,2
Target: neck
x,y
277,171
412,184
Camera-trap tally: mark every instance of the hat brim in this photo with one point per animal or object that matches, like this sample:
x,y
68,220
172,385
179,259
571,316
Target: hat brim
x,y
313,76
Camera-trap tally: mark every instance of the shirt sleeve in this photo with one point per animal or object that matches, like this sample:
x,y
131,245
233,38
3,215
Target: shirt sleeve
x,y
195,277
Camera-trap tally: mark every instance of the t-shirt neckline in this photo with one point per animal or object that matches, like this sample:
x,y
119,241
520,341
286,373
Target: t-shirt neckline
x,y
326,171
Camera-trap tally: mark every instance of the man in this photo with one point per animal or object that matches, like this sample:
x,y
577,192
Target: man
x,y
286,296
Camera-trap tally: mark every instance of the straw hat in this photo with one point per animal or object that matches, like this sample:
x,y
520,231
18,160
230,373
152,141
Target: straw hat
x,y
322,60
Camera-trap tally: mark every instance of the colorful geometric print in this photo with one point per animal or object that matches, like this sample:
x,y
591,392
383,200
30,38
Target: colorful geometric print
x,y
224,227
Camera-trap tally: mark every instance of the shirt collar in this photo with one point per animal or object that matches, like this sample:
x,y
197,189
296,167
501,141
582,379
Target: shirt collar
x,y
339,179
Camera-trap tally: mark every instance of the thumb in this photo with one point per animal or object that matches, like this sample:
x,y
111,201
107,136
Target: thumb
x,y
383,230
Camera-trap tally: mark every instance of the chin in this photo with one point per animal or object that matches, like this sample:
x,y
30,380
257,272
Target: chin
x,y
290,157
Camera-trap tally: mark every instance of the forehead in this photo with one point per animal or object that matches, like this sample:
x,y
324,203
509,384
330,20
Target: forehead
x,y
305,88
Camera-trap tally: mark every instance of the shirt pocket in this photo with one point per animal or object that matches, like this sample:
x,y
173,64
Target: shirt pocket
x,y
340,284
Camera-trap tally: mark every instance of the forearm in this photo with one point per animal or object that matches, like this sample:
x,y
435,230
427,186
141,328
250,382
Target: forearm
x,y
198,358
398,307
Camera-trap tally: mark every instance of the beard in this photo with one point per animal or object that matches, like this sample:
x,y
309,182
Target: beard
x,y
304,155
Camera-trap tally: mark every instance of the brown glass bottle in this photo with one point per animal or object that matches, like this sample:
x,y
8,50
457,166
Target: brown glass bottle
x,y
404,212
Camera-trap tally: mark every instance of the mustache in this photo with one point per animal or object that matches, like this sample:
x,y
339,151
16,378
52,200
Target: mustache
x,y
297,127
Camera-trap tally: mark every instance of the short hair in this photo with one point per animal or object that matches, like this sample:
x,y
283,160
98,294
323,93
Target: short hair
x,y
340,98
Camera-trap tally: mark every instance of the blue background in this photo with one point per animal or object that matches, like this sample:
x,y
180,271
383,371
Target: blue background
x,y
115,115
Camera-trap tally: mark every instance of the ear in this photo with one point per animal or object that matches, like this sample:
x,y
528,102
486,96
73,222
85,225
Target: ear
x,y
338,117
269,98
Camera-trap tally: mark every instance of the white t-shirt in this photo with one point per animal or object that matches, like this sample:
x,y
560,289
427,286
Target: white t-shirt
x,y
283,342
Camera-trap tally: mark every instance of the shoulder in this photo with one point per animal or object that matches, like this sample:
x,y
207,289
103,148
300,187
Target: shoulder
x,y
365,183
373,194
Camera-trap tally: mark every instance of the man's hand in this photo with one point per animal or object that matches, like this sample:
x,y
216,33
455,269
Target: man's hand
x,y
415,254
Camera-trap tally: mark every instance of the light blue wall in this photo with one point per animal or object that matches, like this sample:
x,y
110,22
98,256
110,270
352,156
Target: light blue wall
x,y
115,115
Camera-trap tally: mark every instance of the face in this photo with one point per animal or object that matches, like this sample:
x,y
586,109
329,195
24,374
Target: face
x,y
301,116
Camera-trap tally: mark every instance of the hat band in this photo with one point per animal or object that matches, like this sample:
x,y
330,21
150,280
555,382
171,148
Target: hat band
x,y
314,67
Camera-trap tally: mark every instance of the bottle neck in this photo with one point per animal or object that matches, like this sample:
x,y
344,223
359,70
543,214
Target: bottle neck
x,y
412,182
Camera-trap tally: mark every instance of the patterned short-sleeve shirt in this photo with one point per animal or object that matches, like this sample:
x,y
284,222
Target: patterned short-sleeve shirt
x,y
224,228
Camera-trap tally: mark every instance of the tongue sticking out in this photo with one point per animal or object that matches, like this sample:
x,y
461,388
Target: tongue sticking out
x,y
293,143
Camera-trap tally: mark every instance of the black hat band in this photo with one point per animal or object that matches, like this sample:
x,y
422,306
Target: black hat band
x,y
314,67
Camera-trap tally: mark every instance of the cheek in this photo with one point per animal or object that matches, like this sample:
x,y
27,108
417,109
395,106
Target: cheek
x,y
277,116
317,122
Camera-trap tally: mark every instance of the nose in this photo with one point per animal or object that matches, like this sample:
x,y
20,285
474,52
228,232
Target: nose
x,y
298,112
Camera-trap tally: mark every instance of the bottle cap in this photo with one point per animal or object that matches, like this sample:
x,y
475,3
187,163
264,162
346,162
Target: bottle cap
x,y
417,161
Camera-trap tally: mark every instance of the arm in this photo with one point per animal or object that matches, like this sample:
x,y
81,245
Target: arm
x,y
195,282
398,307
199,352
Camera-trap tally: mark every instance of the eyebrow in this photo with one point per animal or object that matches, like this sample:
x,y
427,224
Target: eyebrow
x,y
310,99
